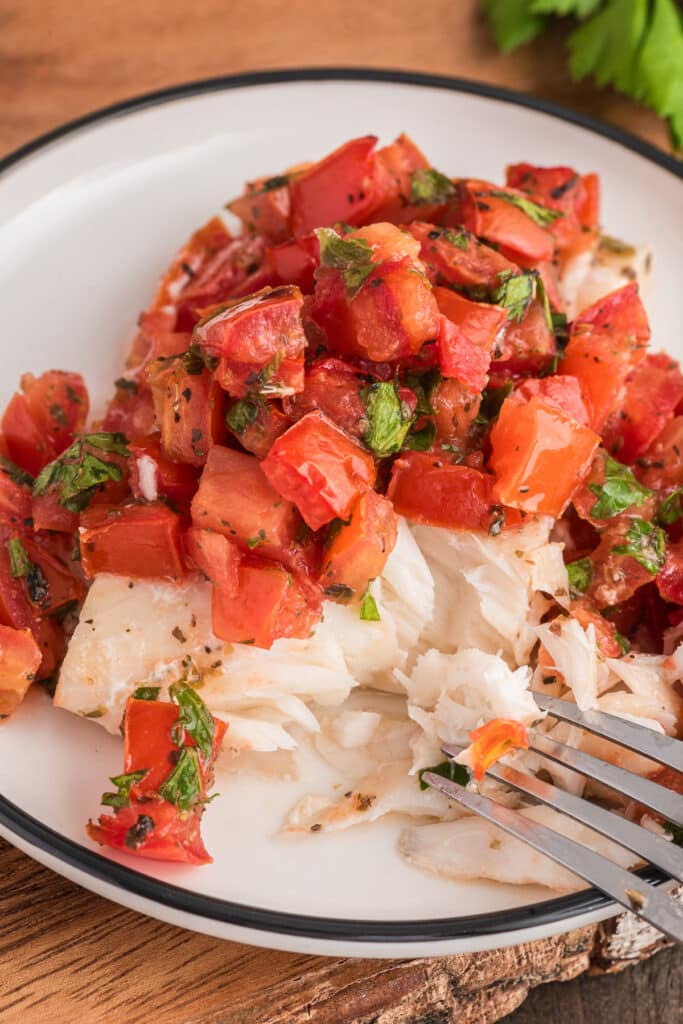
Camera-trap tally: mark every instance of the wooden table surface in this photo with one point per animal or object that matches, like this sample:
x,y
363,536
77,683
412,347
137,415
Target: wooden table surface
x,y
68,955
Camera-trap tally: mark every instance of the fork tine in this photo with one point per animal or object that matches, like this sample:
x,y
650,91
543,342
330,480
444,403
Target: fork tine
x,y
631,892
653,848
664,749
644,791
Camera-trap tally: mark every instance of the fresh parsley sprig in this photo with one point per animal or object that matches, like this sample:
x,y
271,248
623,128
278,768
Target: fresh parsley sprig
x,y
78,472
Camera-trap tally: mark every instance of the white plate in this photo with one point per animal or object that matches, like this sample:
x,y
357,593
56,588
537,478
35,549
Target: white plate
x,y
88,218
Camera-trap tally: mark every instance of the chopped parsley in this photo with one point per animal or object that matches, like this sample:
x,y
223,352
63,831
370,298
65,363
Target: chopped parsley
x,y
193,717
352,257
646,543
124,784
430,186
77,473
183,787
671,509
260,538
22,567
196,360
540,215
619,491
421,440
623,642
460,239
447,770
491,403
515,293
580,575
388,419
423,385
20,564
15,473
369,611
243,413
147,693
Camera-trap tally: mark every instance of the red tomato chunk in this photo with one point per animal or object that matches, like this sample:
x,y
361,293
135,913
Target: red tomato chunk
x,y
270,603
139,541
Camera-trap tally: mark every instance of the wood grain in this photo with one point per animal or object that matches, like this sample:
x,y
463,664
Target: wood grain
x,y
66,955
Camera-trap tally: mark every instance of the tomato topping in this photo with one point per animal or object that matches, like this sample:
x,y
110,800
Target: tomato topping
x,y
466,338
670,577
652,392
341,187
527,346
454,256
539,456
40,422
560,390
131,412
189,410
295,262
492,741
498,216
20,659
264,207
190,259
357,552
661,466
318,467
333,387
573,195
586,614
49,584
256,423
396,165
15,501
271,603
223,276
139,541
214,555
236,498
154,475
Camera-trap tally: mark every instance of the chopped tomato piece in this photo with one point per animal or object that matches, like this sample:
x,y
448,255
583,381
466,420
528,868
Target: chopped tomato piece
x,y
589,502
455,410
154,475
661,466
49,513
539,456
257,423
670,577
264,208
493,213
152,828
189,411
295,262
235,498
526,347
341,187
358,550
50,584
271,603
132,540
15,501
652,392
190,259
215,556
40,422
560,390
318,467
20,659
573,195
492,741
616,575
586,614
454,256
396,166
131,412
467,336
426,489
333,387
223,277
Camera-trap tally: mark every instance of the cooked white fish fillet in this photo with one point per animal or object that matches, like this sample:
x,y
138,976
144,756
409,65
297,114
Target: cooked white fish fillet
x,y
589,275
576,658
474,848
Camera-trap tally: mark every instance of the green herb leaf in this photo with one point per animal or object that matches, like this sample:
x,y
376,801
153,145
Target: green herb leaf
x,y
420,440
77,472
623,642
196,360
15,473
353,258
515,293
260,538
243,413
606,46
124,784
20,563
369,611
423,385
646,543
195,717
563,8
147,693
430,186
619,491
491,402
447,770
183,787
513,22
541,215
580,575
460,239
388,421
115,442
671,509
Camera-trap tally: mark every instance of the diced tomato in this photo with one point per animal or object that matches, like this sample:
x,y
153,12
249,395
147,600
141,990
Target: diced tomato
x,y
455,257
139,541
49,635
295,262
467,336
615,576
229,271
151,324
264,208
455,410
189,411
585,496
661,466
396,164
189,260
152,828
255,339
20,659
235,498
341,187
586,614
492,741
426,489
214,555
652,392
15,501
40,422
560,390
333,387
526,347
15,609
154,475
539,455
131,413
50,584
257,426
491,213
49,514
359,549
271,603
606,341
320,468
670,577
573,195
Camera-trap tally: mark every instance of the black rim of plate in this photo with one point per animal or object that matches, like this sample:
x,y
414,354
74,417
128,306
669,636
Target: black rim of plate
x,y
46,839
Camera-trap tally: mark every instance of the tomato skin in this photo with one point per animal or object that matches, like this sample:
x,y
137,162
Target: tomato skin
x,y
15,501
333,387
63,587
271,603
189,411
539,456
661,467
526,347
360,548
575,196
320,468
15,609
455,410
172,839
39,423
20,659
426,489
498,220
264,210
652,392
153,474
560,390
395,166
140,541
202,245
295,261
467,336
586,614
214,555
131,413
606,341
615,577
228,272
670,577
270,422
235,498
340,187
469,264
492,741
49,514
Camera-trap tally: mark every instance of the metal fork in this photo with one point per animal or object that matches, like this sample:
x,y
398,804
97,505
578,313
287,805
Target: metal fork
x,y
643,899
